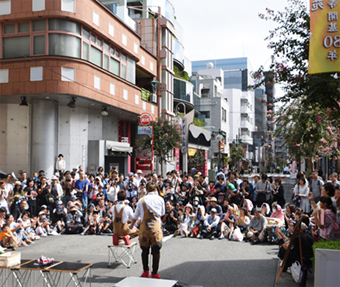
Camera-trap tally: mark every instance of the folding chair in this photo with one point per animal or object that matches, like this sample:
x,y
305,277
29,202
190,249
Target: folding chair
x,y
118,252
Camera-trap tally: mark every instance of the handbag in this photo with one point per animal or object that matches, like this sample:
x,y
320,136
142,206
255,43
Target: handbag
x,y
296,269
74,228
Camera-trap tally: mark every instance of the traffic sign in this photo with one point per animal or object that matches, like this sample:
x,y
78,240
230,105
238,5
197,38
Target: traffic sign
x,y
145,119
143,130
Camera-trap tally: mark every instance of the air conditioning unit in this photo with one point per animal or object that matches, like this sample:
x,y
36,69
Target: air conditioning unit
x,y
153,98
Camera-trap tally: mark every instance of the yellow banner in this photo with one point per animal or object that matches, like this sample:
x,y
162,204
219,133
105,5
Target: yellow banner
x,y
191,151
324,45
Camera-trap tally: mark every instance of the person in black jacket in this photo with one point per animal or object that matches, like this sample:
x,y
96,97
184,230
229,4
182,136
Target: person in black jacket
x,y
278,193
58,219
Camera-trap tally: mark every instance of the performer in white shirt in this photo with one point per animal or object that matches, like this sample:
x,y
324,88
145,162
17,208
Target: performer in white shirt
x,y
149,209
60,164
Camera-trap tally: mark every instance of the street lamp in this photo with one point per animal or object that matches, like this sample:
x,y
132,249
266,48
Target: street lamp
x,y
184,108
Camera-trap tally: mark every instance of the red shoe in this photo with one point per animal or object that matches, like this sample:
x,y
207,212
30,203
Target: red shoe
x,y
155,276
115,239
145,274
127,240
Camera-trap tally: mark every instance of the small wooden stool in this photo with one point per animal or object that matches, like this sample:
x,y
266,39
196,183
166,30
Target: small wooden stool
x,y
118,252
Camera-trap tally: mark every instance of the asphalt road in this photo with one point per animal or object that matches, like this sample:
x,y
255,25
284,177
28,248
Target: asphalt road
x,y
190,261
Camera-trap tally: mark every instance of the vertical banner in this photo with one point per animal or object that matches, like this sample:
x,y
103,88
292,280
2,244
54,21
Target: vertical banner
x,y
206,162
324,45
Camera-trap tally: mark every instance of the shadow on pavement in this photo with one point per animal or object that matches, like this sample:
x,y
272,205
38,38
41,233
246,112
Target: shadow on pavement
x,y
224,273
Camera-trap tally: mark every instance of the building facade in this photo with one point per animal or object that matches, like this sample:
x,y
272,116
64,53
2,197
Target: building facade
x,y
81,70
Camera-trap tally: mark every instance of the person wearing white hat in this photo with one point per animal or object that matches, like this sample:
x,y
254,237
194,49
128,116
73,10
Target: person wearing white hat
x,y
210,225
139,176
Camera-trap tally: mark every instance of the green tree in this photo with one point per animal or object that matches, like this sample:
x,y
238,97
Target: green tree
x,y
167,136
309,117
289,42
198,159
236,154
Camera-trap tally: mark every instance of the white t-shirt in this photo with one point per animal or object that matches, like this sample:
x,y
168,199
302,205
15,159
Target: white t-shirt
x,y
153,202
127,212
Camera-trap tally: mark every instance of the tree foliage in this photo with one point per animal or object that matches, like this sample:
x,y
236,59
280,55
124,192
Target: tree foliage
x,y
198,159
308,119
167,136
289,42
236,154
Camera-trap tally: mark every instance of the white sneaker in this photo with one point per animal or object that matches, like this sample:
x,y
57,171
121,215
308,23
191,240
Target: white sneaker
x,y
198,236
289,270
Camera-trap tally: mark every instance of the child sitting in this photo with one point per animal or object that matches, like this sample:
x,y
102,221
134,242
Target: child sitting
x,y
7,238
93,225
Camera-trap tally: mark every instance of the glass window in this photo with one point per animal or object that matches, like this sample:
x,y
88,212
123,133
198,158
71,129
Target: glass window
x,y
16,47
106,47
9,28
123,58
106,62
64,25
39,25
93,38
64,45
24,27
123,75
86,34
96,56
112,51
85,51
114,66
99,42
39,45
117,54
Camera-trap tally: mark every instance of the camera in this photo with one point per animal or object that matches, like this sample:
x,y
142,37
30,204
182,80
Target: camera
x,y
130,186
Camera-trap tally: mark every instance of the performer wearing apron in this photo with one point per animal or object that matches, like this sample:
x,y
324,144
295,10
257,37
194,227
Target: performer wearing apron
x,y
150,208
120,220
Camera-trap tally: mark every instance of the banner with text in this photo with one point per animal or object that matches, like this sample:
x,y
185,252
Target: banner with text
x,y
324,45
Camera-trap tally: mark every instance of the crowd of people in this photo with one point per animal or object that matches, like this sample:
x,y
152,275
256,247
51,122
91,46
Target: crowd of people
x,y
226,207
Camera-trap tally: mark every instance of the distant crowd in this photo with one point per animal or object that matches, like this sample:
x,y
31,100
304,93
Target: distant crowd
x,y
226,207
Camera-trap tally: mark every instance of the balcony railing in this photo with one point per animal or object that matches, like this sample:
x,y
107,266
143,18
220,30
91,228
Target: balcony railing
x,y
245,125
148,96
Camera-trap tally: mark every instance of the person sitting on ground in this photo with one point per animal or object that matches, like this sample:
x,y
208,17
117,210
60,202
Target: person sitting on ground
x,y
92,225
199,216
289,213
73,220
7,238
248,205
257,227
210,225
265,209
43,224
329,228
234,193
226,225
122,214
213,204
105,224
243,220
187,224
170,218
58,219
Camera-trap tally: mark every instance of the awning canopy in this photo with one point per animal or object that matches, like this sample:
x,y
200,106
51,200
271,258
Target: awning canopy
x,y
118,146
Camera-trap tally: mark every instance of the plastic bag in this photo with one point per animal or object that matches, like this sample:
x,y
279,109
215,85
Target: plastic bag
x,y
237,235
296,269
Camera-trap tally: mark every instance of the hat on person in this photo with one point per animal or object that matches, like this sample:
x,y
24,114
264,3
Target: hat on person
x,y
57,174
77,203
41,213
73,197
58,202
131,174
43,207
196,198
213,210
258,209
185,184
22,171
17,183
213,199
188,205
19,220
59,208
139,171
54,178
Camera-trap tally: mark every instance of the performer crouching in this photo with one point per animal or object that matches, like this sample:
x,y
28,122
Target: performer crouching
x,y
150,208
121,215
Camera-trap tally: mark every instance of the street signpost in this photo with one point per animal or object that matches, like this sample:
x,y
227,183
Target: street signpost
x,y
145,120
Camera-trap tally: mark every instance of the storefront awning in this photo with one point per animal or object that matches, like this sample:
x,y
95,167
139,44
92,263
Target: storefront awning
x,y
118,146
199,136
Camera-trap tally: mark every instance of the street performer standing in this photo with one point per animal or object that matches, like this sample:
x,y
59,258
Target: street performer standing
x,y
121,215
150,208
